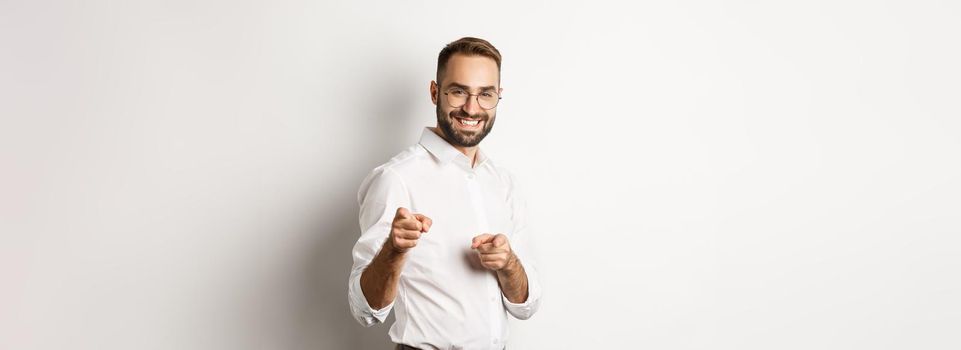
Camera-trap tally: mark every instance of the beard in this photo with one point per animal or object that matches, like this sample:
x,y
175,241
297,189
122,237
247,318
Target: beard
x,y
459,137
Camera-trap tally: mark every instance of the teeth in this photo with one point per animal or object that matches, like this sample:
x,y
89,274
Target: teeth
x,y
469,122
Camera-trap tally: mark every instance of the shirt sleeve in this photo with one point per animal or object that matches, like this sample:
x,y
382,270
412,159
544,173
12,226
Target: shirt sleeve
x,y
522,244
381,193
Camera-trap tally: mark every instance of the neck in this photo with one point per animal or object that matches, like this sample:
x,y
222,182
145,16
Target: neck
x,y
470,152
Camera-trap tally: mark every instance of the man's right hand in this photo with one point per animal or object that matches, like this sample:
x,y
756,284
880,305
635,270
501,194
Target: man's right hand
x,y
379,280
406,230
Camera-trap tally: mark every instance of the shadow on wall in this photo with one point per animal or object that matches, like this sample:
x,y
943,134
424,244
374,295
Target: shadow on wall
x,y
326,319
329,324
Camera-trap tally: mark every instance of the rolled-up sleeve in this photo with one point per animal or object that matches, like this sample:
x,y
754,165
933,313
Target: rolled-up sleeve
x,y
381,193
526,309
522,243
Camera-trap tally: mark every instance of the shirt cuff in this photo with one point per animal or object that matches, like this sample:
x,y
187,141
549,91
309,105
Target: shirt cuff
x,y
361,310
526,309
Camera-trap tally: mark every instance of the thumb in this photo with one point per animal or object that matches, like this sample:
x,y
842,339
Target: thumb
x,y
402,213
500,240
424,221
480,239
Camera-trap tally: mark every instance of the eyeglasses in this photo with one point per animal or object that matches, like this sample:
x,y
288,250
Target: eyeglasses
x,y
457,97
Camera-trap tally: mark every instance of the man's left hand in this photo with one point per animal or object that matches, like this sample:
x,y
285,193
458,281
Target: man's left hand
x,y
494,251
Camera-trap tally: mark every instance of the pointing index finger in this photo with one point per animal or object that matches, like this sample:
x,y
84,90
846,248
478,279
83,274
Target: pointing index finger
x,y
481,239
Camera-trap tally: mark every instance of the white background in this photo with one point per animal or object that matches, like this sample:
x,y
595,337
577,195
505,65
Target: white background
x,y
703,175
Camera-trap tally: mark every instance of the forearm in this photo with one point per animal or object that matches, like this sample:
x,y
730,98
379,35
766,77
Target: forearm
x,y
379,279
513,281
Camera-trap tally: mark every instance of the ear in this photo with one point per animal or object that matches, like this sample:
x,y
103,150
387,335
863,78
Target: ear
x,y
433,92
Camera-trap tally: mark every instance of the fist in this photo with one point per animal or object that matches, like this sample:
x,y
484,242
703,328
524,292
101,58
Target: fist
x,y
494,251
406,230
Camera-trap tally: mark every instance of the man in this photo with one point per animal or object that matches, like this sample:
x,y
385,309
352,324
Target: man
x,y
444,239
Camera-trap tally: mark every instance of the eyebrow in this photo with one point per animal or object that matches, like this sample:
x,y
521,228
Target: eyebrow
x,y
465,87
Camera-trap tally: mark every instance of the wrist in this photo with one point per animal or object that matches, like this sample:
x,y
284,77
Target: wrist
x,y
512,266
392,252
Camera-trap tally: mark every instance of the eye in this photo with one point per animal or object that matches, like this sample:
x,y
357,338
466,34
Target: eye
x,y
458,92
487,94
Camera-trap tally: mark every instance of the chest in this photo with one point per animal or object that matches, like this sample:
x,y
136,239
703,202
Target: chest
x,y
462,205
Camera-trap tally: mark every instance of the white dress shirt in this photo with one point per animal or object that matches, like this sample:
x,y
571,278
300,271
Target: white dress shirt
x,y
445,298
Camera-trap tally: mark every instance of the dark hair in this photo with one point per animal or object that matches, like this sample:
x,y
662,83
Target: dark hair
x,y
467,46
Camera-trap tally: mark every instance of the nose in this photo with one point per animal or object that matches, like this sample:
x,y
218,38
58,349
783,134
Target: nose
x,y
472,106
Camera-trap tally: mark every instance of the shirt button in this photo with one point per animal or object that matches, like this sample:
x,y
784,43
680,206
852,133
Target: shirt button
x,y
470,176
494,341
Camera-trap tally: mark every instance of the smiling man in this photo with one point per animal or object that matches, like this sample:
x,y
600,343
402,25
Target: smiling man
x,y
444,239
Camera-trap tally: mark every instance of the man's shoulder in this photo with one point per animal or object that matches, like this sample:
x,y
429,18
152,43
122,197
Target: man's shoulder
x,y
391,172
402,162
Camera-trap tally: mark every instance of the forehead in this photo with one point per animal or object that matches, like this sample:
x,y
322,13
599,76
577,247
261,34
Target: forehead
x,y
473,71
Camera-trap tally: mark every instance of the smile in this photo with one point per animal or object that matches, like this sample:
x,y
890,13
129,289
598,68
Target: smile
x,y
468,123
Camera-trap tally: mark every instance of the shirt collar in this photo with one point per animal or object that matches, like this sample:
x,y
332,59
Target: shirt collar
x,y
444,151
